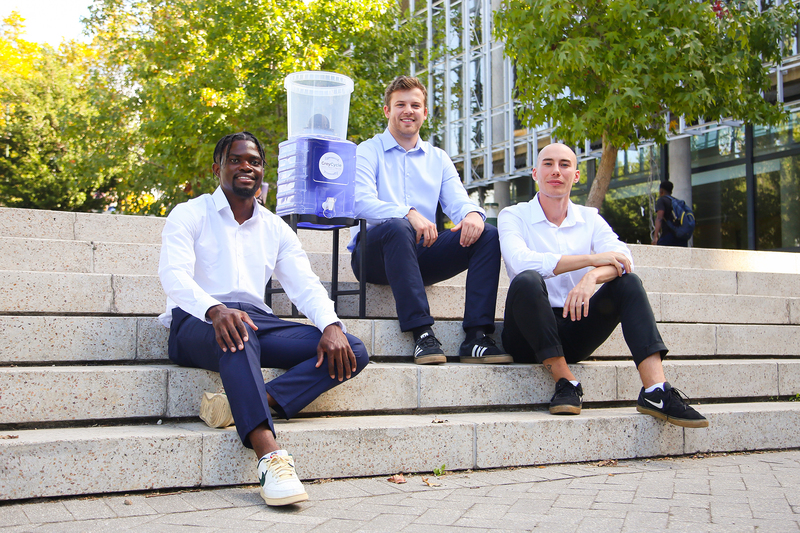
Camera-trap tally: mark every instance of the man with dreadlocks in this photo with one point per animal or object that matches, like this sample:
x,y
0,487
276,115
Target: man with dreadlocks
x,y
218,252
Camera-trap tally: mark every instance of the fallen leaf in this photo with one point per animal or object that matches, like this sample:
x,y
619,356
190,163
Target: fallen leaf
x,y
437,420
9,436
608,462
397,478
430,483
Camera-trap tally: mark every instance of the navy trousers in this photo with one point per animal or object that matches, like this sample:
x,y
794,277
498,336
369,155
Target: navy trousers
x,y
277,344
394,259
533,331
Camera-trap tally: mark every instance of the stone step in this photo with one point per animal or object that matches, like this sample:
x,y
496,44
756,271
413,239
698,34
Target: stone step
x,y
78,339
60,462
58,394
81,293
47,255
41,224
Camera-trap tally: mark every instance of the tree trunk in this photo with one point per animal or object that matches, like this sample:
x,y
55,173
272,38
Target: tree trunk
x,y
602,177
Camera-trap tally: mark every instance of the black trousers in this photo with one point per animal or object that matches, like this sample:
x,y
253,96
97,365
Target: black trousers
x,y
533,331
394,259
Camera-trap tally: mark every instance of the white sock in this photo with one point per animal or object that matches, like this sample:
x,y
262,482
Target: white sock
x,y
654,387
574,383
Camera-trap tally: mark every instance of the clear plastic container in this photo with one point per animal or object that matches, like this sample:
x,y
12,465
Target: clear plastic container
x,y
318,103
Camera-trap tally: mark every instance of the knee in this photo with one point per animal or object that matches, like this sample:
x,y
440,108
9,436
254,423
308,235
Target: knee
x,y
360,351
528,282
490,237
397,228
630,285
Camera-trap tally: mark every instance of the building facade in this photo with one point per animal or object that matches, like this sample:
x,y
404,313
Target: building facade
x,y
743,181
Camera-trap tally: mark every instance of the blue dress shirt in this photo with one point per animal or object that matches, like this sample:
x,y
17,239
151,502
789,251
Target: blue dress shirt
x,y
390,181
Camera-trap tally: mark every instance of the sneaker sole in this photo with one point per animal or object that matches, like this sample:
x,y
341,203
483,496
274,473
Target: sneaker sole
x,y
215,410
286,500
488,360
683,422
434,359
565,410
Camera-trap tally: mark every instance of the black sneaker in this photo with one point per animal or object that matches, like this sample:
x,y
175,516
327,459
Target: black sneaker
x,y
428,350
482,349
568,398
671,405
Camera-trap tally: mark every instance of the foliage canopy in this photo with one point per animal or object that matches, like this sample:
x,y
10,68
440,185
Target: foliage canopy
x,y
622,70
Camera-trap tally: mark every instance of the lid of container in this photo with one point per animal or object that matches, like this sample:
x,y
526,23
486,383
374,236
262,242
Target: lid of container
x,y
318,83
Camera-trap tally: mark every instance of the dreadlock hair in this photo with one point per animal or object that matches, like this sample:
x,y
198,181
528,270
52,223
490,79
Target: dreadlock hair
x,y
224,145
404,83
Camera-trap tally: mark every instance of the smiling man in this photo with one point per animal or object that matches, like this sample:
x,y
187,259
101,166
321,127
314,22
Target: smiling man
x,y
400,180
556,253
218,252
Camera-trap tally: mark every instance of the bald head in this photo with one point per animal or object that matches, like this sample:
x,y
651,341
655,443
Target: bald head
x,y
556,152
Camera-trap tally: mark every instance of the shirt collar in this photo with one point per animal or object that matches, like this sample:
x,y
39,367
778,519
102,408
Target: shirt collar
x,y
388,141
221,202
537,215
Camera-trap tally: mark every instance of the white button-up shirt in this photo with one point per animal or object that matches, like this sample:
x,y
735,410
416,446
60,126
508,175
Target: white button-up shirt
x,y
208,258
390,181
529,241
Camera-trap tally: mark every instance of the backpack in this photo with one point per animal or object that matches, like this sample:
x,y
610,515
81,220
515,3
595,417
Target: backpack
x,y
683,219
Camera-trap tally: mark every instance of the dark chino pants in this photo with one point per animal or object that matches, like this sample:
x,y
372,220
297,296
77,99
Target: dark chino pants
x,y
395,259
533,331
277,344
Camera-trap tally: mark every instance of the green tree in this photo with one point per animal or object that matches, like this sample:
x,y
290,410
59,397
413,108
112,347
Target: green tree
x,y
194,70
47,159
622,70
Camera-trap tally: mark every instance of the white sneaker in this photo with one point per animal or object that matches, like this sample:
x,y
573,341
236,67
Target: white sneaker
x,y
279,482
215,410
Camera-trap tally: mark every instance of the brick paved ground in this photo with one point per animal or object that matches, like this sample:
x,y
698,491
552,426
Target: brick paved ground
x,y
725,493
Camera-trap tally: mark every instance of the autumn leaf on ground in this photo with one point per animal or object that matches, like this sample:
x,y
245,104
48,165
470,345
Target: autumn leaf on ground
x,y
430,483
437,420
9,436
397,478
608,462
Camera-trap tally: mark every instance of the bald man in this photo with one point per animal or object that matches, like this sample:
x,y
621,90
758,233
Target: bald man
x,y
556,253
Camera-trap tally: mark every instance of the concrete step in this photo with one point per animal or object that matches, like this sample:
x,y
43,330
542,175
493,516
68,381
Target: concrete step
x,y
41,224
77,339
80,293
59,462
57,394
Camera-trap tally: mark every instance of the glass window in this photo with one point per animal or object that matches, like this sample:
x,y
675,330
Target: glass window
x,y
476,91
456,138
437,92
719,199
438,29
477,168
454,38
725,144
778,204
769,140
476,138
498,162
475,23
456,92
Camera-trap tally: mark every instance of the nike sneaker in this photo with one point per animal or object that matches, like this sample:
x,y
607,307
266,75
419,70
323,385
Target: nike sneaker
x,y
482,350
428,350
279,482
567,399
671,405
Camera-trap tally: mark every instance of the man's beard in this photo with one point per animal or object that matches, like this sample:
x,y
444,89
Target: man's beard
x,y
245,192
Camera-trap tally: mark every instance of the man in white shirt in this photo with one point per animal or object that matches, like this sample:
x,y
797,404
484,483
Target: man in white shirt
x,y
218,252
400,180
556,253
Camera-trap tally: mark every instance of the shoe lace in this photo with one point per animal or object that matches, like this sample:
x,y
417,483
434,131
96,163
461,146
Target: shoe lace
x,y
485,341
281,467
680,396
429,342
